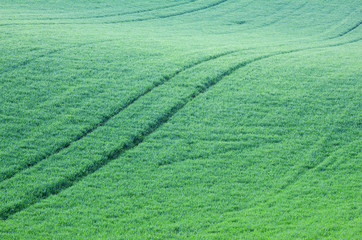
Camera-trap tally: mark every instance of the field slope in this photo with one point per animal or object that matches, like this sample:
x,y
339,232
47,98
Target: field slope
x,y
180,119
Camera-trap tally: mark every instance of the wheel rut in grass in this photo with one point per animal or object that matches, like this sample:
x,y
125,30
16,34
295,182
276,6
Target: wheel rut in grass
x,y
279,17
119,14
339,23
323,161
26,62
173,14
141,11
49,53
132,20
68,181
328,160
164,80
285,16
348,31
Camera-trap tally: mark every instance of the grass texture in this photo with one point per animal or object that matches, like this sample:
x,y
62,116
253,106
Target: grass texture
x,y
188,119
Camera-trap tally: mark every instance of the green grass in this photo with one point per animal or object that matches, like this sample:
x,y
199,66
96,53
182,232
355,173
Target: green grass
x,y
204,119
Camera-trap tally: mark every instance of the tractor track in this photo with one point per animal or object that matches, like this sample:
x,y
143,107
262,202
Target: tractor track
x,y
140,11
285,16
325,162
118,14
338,24
70,181
164,80
129,20
328,160
347,31
28,61
181,13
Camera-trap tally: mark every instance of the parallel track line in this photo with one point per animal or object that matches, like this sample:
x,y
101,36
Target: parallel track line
x,y
109,117
70,181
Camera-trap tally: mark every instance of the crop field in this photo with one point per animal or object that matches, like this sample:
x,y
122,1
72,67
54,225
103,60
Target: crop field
x,y
180,119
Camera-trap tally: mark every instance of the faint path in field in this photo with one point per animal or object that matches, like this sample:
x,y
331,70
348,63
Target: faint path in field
x,y
328,160
241,21
30,60
164,80
119,14
132,20
172,14
343,20
301,6
284,16
339,23
347,31
68,182
357,143
26,62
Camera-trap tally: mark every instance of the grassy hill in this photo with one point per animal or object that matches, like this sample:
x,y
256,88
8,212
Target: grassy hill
x,y
180,119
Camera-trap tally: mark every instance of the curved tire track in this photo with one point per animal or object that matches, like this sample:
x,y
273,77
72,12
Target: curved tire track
x,y
280,18
347,31
169,15
340,23
285,16
327,161
88,170
28,61
322,164
119,14
107,118
131,20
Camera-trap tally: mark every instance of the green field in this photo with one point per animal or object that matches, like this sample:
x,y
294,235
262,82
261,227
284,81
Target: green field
x,y
180,119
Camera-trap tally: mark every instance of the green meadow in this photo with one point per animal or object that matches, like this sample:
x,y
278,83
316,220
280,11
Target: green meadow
x,y
180,119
